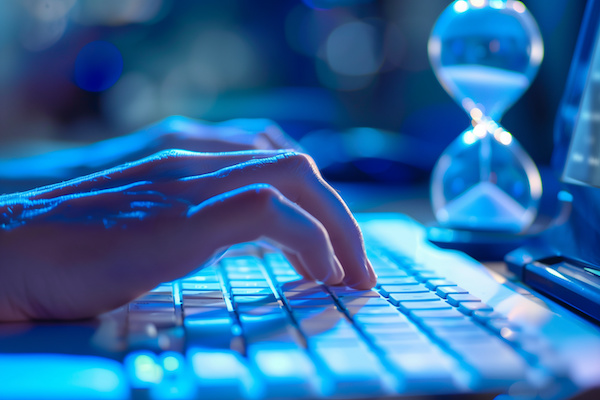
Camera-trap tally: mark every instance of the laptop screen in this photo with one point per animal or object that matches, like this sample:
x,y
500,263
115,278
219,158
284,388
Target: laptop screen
x,y
583,158
577,146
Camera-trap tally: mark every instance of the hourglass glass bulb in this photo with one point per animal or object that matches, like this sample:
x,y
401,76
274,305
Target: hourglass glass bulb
x,y
485,53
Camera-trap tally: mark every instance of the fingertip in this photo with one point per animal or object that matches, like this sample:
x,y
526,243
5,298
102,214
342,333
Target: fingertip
x,y
366,280
363,285
372,273
336,273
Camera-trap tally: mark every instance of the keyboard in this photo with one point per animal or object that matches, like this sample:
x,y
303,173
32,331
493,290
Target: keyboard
x,y
251,327
437,323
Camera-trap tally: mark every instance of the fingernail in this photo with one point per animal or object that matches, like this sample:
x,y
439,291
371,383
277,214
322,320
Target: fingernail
x,y
372,273
334,272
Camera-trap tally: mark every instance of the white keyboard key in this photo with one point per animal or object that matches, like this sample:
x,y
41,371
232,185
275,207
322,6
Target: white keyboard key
x,y
222,374
285,369
350,371
431,371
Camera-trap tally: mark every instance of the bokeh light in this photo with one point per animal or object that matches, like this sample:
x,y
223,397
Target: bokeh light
x,y
98,66
354,49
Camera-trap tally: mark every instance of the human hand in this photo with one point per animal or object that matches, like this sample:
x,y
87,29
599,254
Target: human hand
x,y
174,132
178,132
85,246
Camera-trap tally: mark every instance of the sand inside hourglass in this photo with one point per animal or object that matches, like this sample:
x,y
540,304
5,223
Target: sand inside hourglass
x,y
485,206
494,88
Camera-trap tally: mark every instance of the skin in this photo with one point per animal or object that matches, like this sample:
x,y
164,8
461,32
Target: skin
x,y
87,245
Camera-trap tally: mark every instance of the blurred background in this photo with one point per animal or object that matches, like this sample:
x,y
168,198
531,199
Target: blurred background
x,y
349,79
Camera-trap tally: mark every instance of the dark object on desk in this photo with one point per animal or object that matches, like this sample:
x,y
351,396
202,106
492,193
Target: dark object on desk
x,y
483,246
572,282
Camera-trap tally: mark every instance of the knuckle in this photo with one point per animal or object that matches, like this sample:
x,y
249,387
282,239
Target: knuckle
x,y
163,162
262,200
300,164
168,154
264,195
298,161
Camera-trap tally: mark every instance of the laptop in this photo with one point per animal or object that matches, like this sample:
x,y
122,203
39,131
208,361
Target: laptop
x,y
438,324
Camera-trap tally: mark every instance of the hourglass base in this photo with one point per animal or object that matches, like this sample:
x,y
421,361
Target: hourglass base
x,y
483,246
484,207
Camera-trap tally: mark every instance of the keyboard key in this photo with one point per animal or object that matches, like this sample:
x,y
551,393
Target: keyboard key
x,y
221,374
355,294
431,324
390,273
257,283
205,312
251,291
200,279
202,294
347,291
395,298
359,310
255,299
364,301
350,372
259,310
284,371
273,329
397,328
379,319
300,286
396,281
403,340
245,277
200,286
318,313
431,370
468,307
386,290
407,306
423,314
433,284
307,295
201,302
209,332
443,291
159,319
327,301
455,298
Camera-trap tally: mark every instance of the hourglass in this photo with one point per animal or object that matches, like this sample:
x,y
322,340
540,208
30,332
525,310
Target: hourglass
x,y
485,53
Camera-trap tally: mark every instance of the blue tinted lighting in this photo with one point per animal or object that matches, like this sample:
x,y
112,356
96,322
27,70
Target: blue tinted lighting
x,y
98,66
59,376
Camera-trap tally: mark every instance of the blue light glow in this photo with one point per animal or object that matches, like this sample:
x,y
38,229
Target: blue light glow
x,y
98,66
59,376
